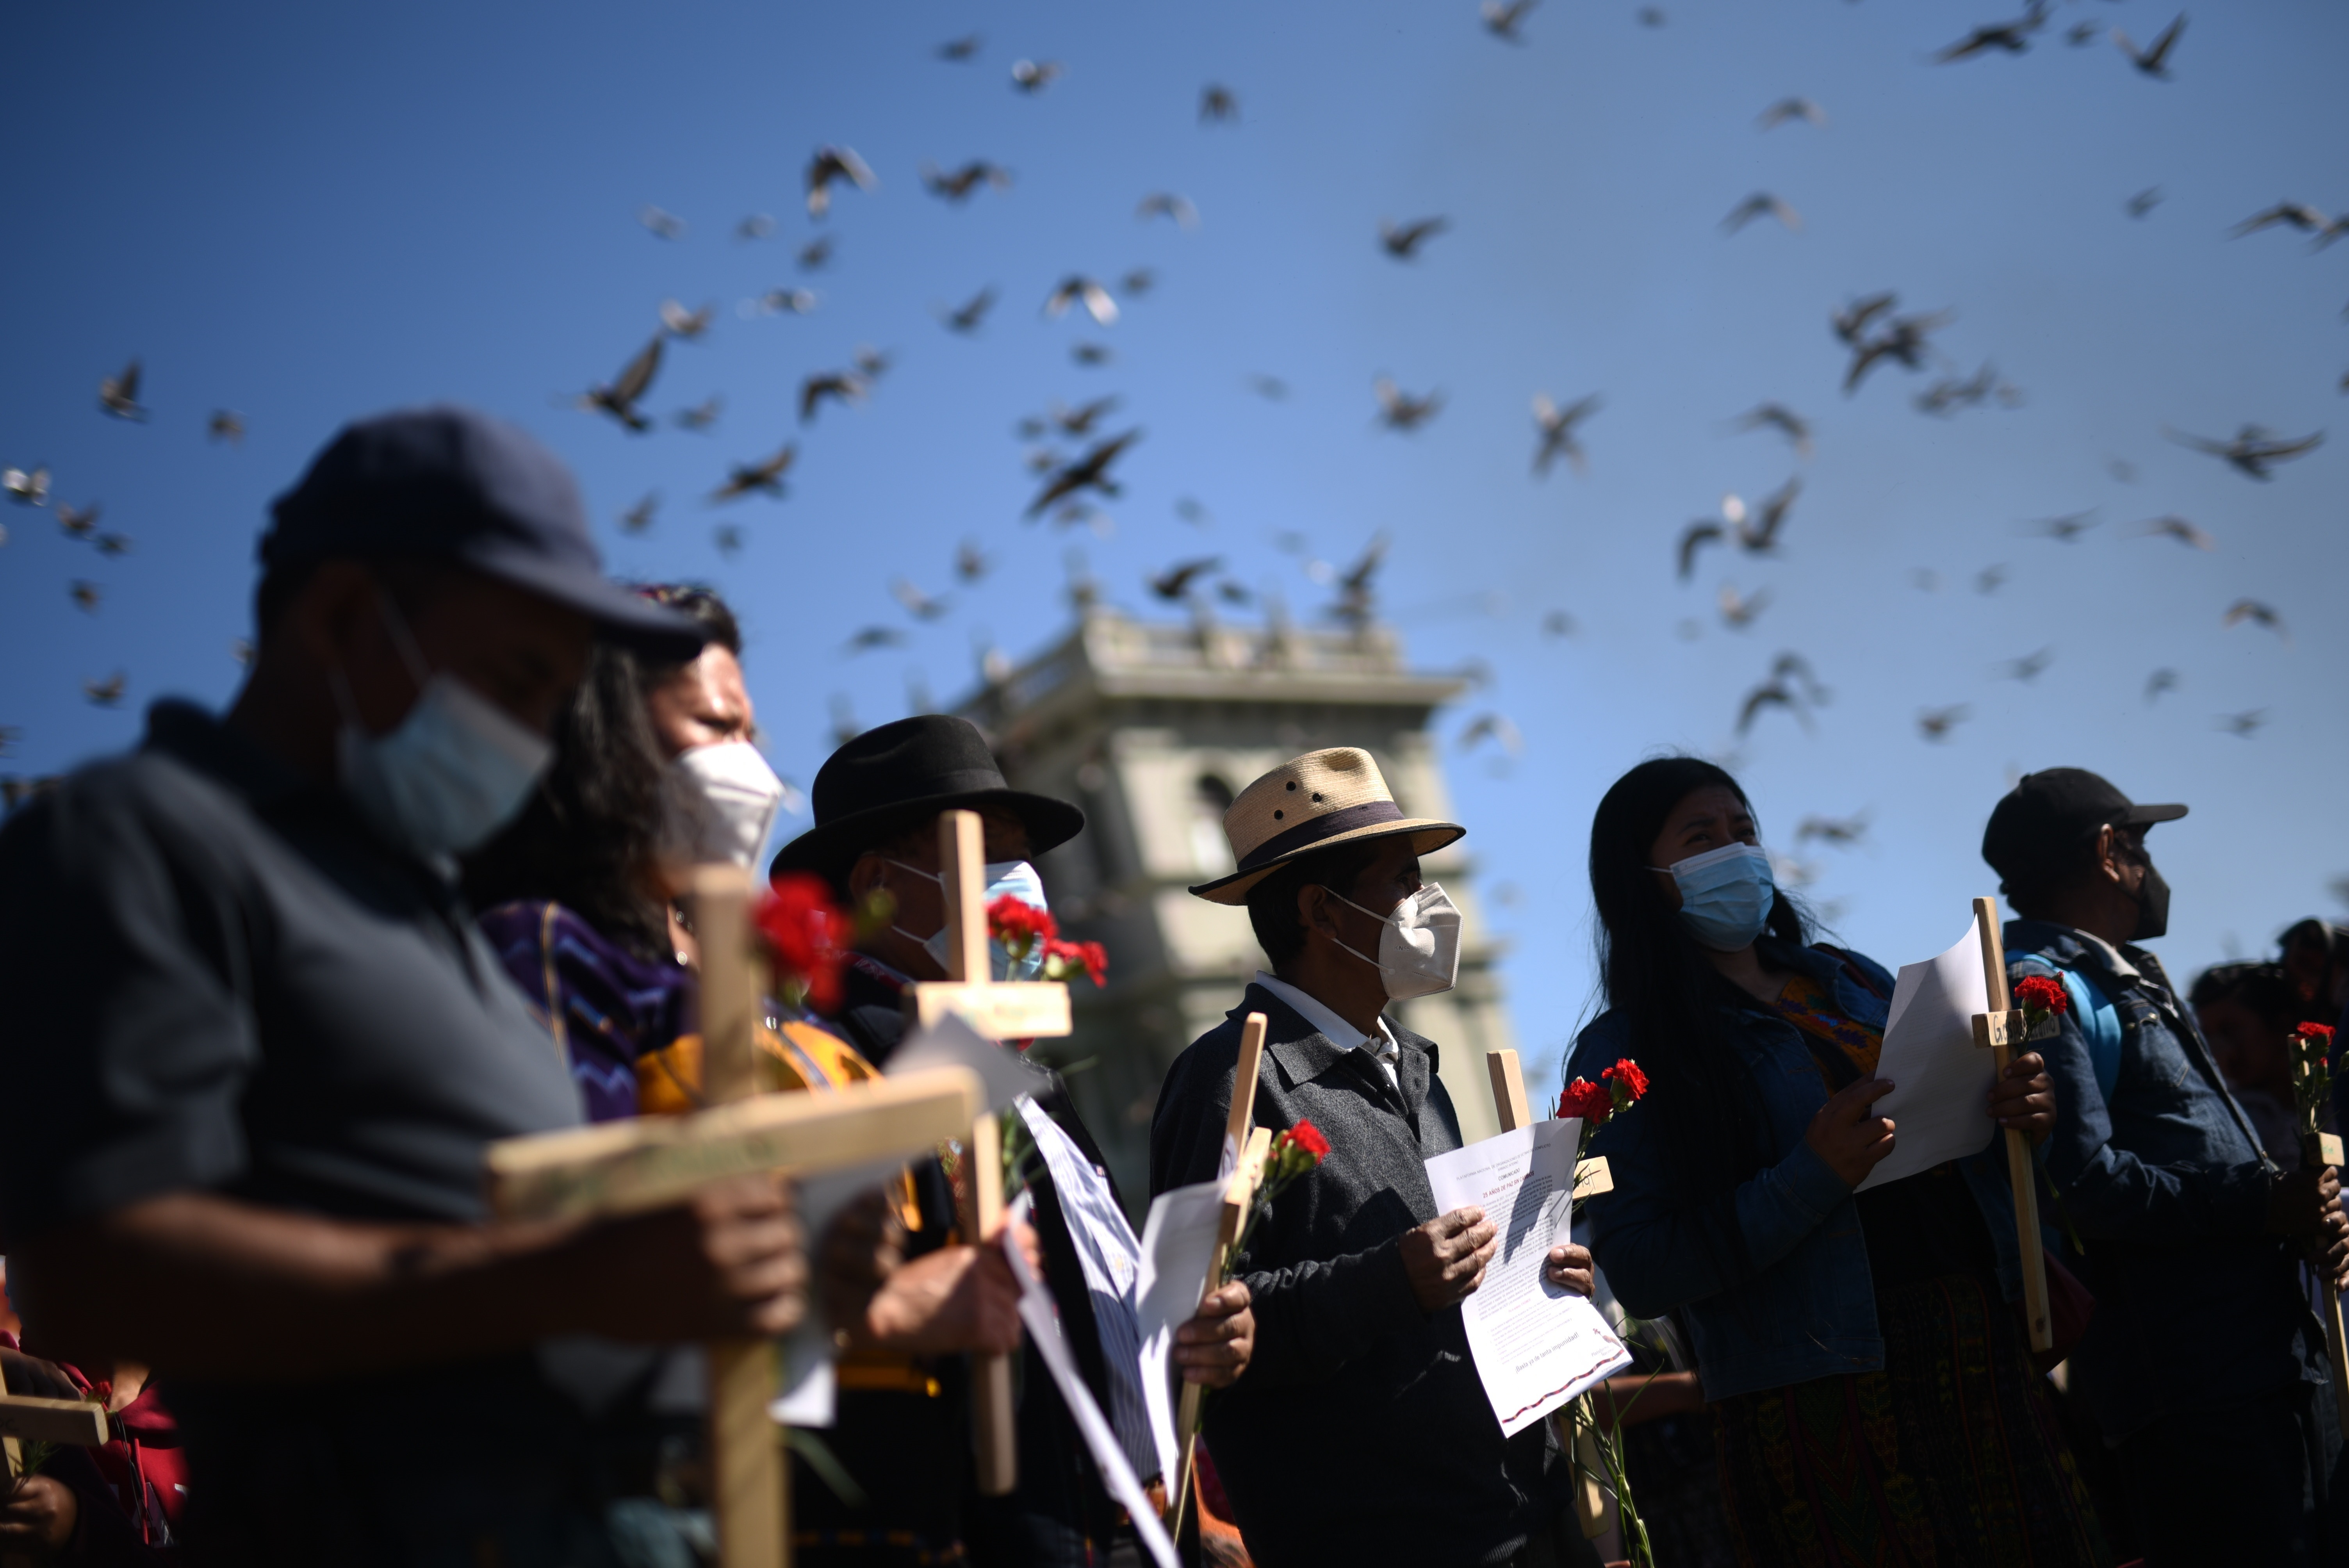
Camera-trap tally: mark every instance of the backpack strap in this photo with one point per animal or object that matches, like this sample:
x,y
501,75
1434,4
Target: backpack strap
x,y
2099,1020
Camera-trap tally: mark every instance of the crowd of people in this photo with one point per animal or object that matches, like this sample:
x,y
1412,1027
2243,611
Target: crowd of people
x,y
271,982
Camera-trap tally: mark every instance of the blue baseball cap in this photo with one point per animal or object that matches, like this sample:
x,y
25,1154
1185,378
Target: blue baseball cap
x,y
447,483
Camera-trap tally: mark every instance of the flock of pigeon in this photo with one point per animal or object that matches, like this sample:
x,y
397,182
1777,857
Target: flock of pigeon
x,y
1072,455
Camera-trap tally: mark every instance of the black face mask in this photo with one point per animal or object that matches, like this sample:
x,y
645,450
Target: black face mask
x,y
2152,905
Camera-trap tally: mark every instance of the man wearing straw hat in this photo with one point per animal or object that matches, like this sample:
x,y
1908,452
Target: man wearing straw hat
x,y
1361,1432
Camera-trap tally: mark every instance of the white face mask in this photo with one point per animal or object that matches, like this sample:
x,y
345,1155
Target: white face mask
x,y
724,803
1017,878
1419,943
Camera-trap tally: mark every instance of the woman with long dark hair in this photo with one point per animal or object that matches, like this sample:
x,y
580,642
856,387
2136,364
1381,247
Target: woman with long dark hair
x,y
1874,1398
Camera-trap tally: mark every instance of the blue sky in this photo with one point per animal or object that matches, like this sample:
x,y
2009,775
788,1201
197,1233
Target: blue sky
x,y
305,213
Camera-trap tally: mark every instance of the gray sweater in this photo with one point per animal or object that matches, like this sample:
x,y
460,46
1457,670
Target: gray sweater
x,y
1361,1432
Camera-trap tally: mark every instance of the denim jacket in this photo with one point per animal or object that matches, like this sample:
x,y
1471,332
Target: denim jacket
x,y
2164,1180
1805,1308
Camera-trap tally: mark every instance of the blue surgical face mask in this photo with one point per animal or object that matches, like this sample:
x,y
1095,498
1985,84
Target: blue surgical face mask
x,y
1017,878
1725,895
447,776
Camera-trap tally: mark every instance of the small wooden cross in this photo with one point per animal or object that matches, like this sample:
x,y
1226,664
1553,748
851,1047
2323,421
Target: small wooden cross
x,y
31,1419
1999,1031
645,1162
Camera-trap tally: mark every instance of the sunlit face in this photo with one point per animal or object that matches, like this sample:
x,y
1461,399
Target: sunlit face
x,y
1708,817
703,703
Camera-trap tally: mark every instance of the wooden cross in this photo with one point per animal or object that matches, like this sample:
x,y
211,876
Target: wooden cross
x,y
1999,1031
30,1419
1250,1143
2324,1149
1000,1010
1594,1510
647,1163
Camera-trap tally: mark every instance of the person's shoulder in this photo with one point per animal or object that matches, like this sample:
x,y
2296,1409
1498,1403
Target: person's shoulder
x,y
1852,957
107,804
1602,1042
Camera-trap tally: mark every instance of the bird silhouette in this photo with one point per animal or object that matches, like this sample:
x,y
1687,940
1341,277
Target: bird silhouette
x,y
79,524
2243,724
119,394
1190,509
1902,341
728,538
1759,535
1950,393
786,302
843,387
1935,723
701,416
876,637
1990,579
958,185
1235,594
112,544
2177,528
1088,472
1078,290
1167,204
1356,585
108,692
85,594
2144,201
1695,537
755,226
1557,427
1404,243
1501,19
1092,354
2083,34
2065,529
766,475
2297,215
920,605
1217,104
870,362
2029,668
1781,418
1032,77
663,225
1272,388
961,48
1174,582
2160,681
2153,60
1788,108
1398,410
1841,831
1737,612
1558,623
26,487
832,166
1762,204
1772,693
816,254
970,561
2257,613
2014,37
1492,727
1138,282
225,425
1851,321
2253,450
639,517
635,378
973,310
679,321
1079,421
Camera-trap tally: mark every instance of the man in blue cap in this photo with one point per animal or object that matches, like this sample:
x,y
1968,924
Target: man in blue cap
x,y
254,1045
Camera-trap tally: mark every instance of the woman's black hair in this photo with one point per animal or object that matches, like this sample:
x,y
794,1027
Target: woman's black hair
x,y
1679,1007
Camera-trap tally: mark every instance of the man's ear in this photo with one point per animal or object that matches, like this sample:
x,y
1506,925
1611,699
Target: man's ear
x,y
866,874
2108,862
1313,909
323,619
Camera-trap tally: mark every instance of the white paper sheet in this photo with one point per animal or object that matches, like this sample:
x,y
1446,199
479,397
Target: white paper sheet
x,y
1003,1073
1178,1244
1941,1109
1536,1346
1043,1321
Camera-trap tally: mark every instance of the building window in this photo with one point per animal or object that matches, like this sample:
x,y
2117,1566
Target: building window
x,y
1211,852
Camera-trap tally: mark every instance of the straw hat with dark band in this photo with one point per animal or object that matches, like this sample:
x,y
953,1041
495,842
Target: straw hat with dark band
x,y
1322,799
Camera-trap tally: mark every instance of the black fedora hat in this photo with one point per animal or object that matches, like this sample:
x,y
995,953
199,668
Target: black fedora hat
x,y
893,777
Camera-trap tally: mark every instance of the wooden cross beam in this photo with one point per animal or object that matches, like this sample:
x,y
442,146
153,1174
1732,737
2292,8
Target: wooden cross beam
x,y
1999,1031
619,1167
1591,1177
30,1419
1015,1010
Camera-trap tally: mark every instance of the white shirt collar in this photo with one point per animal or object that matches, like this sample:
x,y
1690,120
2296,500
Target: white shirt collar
x,y
1382,1045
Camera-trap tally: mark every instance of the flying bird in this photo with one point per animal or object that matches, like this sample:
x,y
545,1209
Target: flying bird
x,y
1501,19
1772,693
785,302
635,378
1788,108
2065,529
2014,36
2177,528
1232,592
1738,612
1092,354
2083,34
2154,59
679,321
2243,724
639,517
1990,579
870,362
2297,215
85,594
876,637
1840,831
1398,410
1950,393
1759,536
1355,590
1695,537
108,692
1556,425
1079,421
1780,417
2159,681
1167,204
2029,668
119,394
701,416
1217,104
961,48
918,604
1557,623
1192,510
1175,582
663,225
1492,727
727,537
1404,243
755,226
966,318
1078,290
1762,204
2144,201
1270,387
2259,615
80,524
766,475
112,544
225,425
1850,321
26,487
843,387
2252,449
970,561
1138,282
830,166
958,185
1034,75
1935,723
1088,472
1903,341
816,254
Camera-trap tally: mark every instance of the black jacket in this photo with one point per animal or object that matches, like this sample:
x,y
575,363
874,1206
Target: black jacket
x,y
1361,1432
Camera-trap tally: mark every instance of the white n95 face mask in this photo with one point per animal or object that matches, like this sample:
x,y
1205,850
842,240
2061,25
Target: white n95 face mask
x,y
1016,878
1419,943
726,797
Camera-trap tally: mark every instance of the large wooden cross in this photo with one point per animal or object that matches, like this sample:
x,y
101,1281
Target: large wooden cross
x,y
1999,1031
647,1163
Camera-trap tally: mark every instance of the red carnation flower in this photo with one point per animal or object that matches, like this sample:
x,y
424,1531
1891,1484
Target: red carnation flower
x,y
2038,994
1588,1102
1018,924
1627,1073
2319,1034
806,936
1308,1137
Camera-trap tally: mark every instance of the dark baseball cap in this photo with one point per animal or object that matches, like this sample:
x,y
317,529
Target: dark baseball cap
x,y
447,484
2048,814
